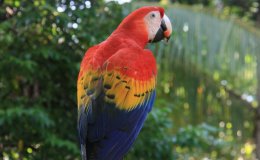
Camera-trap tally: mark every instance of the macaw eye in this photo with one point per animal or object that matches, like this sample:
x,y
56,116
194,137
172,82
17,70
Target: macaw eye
x,y
153,15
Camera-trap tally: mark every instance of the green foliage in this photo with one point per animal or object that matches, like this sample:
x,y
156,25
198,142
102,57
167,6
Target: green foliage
x,y
155,139
202,141
197,137
33,131
221,48
191,2
42,43
245,9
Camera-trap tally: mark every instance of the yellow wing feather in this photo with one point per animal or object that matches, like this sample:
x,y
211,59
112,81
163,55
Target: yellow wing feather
x,y
87,86
126,92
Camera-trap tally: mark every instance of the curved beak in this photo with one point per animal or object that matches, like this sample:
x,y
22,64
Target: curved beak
x,y
164,31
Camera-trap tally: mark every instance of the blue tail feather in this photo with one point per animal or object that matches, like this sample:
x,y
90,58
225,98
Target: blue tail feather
x,y
111,131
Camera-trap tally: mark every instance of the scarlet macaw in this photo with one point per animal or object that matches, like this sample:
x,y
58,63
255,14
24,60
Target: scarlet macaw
x,y
116,85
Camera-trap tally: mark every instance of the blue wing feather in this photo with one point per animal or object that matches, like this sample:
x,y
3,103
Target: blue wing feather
x,y
82,130
112,131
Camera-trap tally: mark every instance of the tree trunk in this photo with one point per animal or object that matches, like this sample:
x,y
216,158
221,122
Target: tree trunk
x,y
257,112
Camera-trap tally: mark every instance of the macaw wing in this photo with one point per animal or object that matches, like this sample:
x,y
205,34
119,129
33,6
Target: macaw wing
x,y
88,89
129,78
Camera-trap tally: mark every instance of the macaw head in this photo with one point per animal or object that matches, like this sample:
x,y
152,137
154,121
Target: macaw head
x,y
150,24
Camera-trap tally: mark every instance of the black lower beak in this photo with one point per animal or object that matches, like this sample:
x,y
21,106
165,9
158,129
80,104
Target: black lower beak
x,y
160,33
159,36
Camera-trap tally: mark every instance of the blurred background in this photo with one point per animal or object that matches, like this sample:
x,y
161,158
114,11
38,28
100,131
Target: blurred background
x,y
208,89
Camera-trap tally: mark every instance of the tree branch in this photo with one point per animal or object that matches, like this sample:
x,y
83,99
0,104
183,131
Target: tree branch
x,y
239,96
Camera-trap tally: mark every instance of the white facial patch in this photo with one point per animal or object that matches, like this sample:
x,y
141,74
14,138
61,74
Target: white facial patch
x,y
153,23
